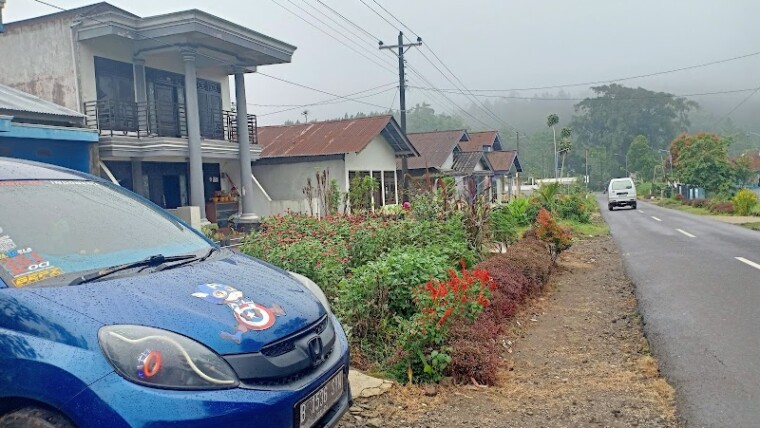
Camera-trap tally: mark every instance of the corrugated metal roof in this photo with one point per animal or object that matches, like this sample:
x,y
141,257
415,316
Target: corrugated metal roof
x,y
478,140
12,100
502,160
331,137
434,147
465,162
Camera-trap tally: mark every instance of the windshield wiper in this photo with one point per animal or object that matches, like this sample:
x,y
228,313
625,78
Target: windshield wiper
x,y
156,260
211,251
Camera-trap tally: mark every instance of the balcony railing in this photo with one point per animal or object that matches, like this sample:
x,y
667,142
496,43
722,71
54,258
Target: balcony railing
x,y
144,119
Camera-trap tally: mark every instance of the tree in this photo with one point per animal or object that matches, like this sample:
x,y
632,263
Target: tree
x,y
565,145
423,118
641,160
702,160
551,121
617,114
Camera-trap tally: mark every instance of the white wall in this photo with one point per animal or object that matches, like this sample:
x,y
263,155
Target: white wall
x,y
37,58
285,182
449,162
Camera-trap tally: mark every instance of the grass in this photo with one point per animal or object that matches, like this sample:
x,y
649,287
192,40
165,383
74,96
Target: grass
x,y
597,227
669,203
753,226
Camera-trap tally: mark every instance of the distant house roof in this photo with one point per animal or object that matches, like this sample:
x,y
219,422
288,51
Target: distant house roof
x,y
465,163
502,161
434,147
480,139
27,107
331,138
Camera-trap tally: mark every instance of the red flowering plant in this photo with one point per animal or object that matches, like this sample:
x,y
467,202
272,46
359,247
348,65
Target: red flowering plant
x,y
559,238
423,352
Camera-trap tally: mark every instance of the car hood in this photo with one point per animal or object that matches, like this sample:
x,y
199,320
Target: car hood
x,y
189,300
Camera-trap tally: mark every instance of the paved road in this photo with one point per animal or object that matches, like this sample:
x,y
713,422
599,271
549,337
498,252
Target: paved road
x,y
698,285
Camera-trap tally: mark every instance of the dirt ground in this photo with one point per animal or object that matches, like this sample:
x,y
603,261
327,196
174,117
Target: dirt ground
x,y
575,357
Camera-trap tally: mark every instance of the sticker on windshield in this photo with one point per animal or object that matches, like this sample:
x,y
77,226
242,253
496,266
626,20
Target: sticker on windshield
x,y
26,266
248,314
31,278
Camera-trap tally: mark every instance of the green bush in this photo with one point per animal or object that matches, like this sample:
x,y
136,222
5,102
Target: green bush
x,y
518,208
534,206
575,208
644,189
503,225
755,210
744,201
425,206
378,295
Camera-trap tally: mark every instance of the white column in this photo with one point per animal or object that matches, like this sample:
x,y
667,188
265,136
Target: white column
x,y
197,197
244,142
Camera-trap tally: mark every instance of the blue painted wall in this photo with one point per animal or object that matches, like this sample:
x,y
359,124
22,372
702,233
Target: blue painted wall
x,y
69,154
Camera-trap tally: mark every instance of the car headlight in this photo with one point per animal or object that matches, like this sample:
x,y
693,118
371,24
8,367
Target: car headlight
x,y
162,359
314,288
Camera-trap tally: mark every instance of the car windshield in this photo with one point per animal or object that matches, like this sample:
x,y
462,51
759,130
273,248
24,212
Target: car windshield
x,y
622,185
50,230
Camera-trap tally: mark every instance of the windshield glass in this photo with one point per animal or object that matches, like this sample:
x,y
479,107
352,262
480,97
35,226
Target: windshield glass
x,y
51,230
622,185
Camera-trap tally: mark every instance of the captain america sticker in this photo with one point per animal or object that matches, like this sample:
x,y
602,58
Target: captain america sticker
x,y
248,314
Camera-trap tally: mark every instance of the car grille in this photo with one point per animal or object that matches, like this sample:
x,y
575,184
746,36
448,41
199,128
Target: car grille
x,y
283,346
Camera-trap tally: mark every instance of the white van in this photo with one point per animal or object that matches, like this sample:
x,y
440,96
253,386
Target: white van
x,y
621,192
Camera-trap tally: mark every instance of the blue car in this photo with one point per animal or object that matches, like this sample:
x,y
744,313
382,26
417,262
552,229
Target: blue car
x,y
113,313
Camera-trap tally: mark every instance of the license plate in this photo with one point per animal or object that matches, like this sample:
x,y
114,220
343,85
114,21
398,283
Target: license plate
x,y
310,410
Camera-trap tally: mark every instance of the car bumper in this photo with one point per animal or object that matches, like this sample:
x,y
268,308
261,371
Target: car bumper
x,y
622,202
115,402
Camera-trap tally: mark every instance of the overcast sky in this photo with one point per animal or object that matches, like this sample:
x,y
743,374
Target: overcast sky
x,y
487,44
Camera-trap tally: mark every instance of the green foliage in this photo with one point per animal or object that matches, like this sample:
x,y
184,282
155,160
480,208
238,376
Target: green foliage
x,y
423,118
360,193
547,229
641,160
745,201
503,225
702,160
518,209
609,122
425,206
547,195
574,207
210,230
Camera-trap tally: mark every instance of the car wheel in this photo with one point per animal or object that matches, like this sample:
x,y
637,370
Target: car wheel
x,y
611,207
634,205
34,417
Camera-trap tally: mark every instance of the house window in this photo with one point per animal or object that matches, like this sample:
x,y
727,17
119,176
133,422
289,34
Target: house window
x,y
389,182
115,87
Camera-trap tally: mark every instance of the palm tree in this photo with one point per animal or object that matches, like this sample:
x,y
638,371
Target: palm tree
x,y
305,114
565,146
552,120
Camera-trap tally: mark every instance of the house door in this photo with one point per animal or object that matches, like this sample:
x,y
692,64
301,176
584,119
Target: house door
x,y
172,191
166,110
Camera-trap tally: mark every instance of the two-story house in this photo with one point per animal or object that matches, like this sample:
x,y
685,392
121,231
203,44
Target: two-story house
x,y
158,91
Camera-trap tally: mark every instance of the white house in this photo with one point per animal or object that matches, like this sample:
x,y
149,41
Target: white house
x,y
349,148
158,91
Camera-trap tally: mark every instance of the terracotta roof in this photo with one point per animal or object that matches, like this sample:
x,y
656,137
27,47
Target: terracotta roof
x,y
331,137
502,160
434,147
479,139
465,162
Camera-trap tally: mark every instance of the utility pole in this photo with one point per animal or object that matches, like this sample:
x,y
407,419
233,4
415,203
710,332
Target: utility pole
x,y
519,185
402,101
586,178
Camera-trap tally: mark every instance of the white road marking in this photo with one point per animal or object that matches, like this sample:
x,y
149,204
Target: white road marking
x,y
641,211
749,262
656,218
686,233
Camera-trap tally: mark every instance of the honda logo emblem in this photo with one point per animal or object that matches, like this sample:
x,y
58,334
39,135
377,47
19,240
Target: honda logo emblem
x,y
315,349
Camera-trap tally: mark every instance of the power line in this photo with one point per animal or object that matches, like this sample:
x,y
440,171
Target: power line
x,y
663,95
622,79
349,21
741,103
378,14
394,17
330,35
337,99
318,90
